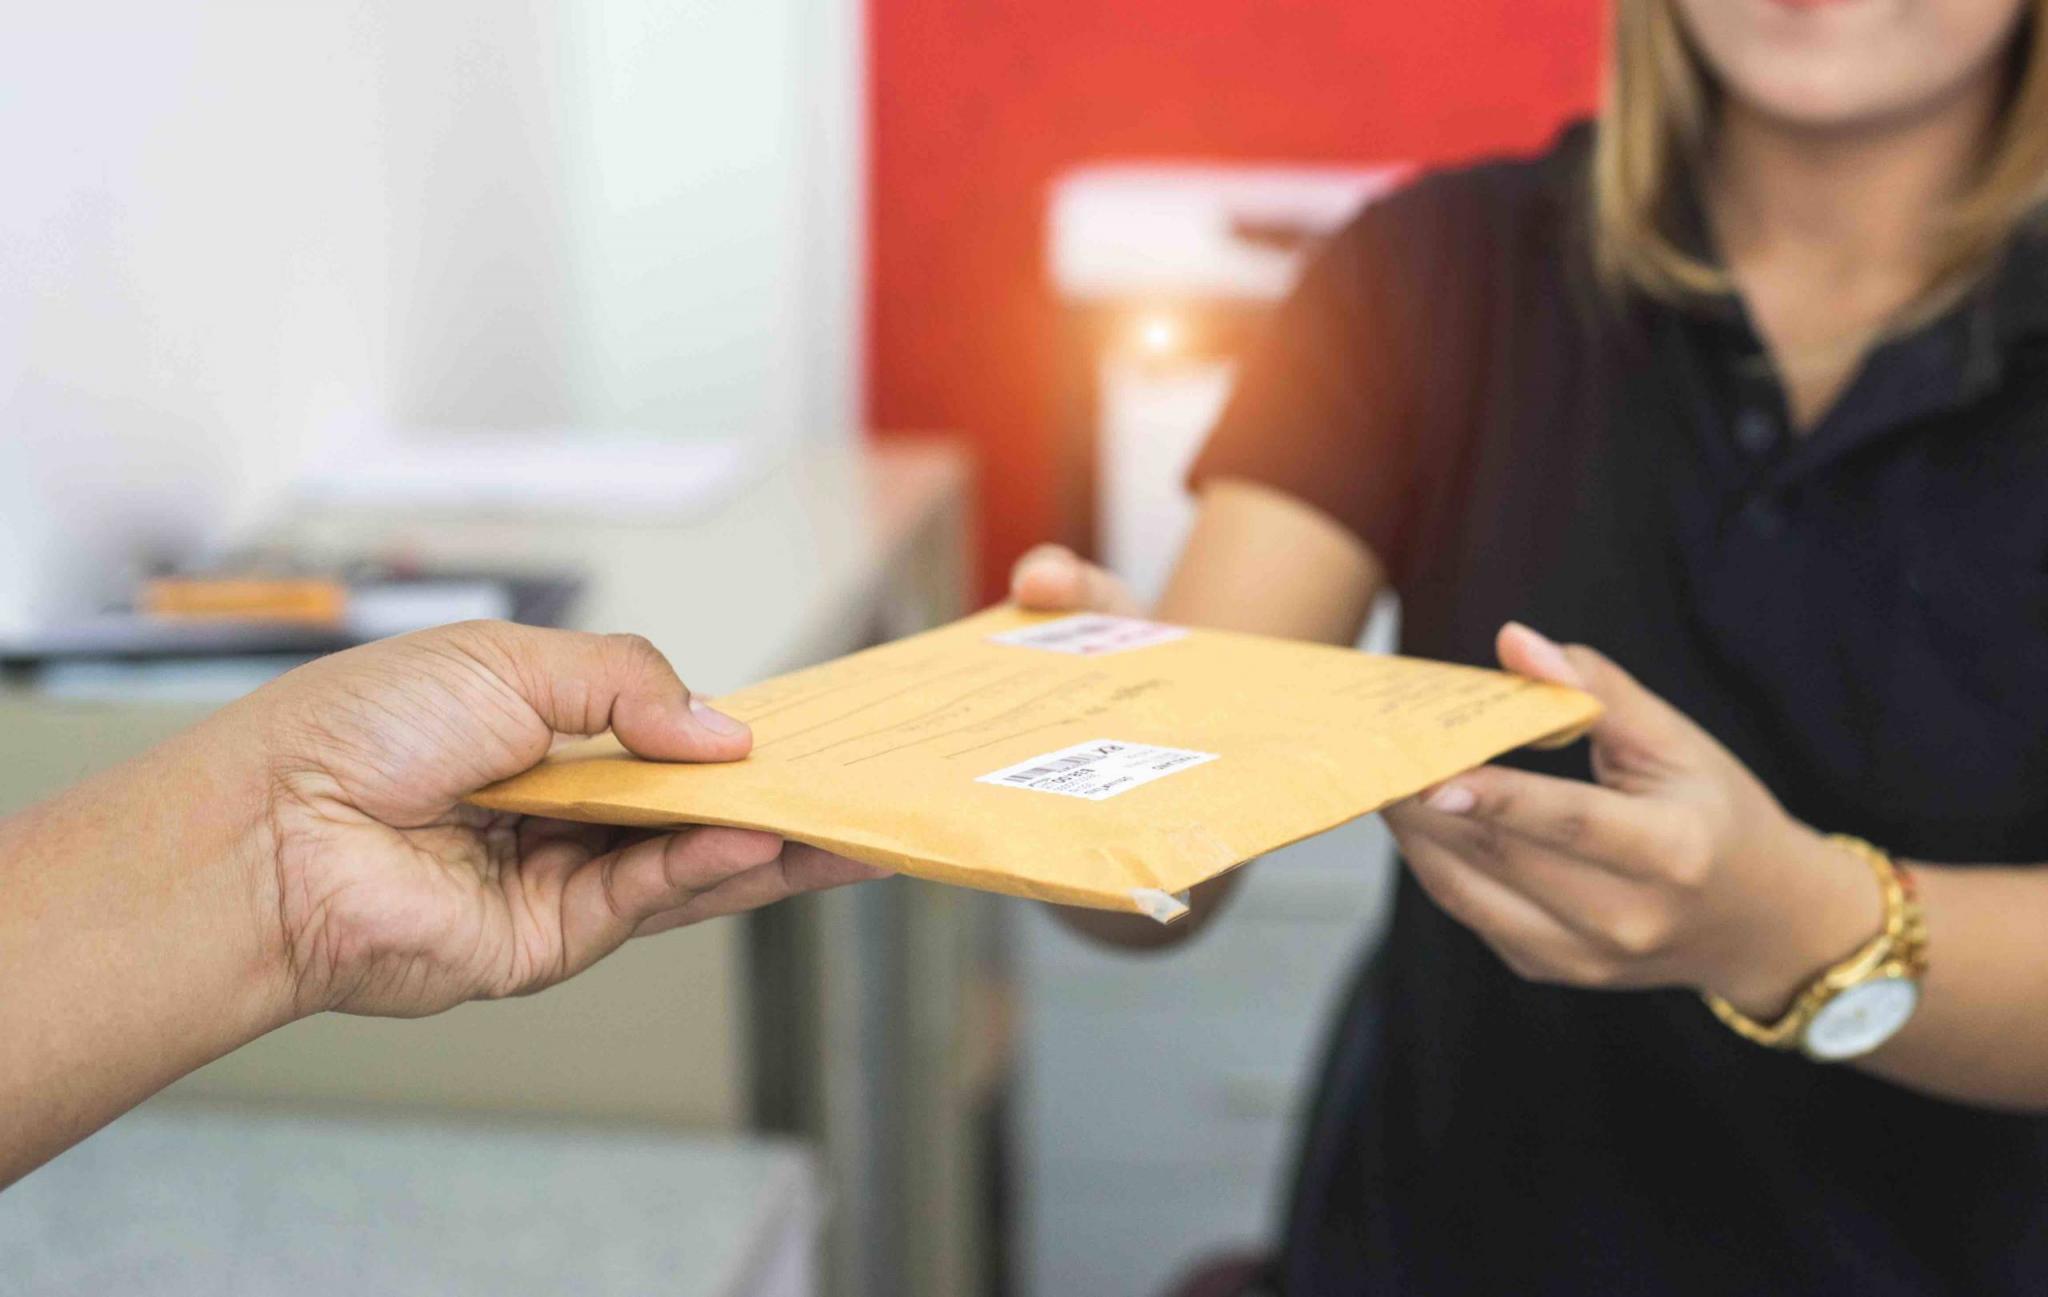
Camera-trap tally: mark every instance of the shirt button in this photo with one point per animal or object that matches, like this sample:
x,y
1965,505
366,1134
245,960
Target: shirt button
x,y
1763,518
1755,431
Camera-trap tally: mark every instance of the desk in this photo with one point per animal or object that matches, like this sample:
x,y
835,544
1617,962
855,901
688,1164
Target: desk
x,y
874,1005
171,1201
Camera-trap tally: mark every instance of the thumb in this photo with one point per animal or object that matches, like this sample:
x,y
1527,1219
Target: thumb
x,y
1633,719
579,683
1053,578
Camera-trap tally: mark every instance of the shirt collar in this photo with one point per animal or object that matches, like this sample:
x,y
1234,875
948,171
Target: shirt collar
x,y
2012,298
1942,364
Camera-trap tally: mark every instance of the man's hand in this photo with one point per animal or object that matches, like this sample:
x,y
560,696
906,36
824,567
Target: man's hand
x,y
393,897
1678,868
307,848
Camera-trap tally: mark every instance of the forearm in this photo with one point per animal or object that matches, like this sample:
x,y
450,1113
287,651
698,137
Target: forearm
x,y
131,946
1980,1035
1261,561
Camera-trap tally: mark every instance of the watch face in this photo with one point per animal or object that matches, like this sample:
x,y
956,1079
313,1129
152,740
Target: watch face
x,y
1862,1018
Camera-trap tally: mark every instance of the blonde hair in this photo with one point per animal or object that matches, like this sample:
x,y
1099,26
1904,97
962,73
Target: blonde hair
x,y
1655,129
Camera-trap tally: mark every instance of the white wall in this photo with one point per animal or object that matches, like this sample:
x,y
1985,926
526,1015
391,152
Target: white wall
x,y
742,264
233,230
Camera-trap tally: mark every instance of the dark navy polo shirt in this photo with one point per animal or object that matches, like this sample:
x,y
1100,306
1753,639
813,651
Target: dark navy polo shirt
x,y
1859,612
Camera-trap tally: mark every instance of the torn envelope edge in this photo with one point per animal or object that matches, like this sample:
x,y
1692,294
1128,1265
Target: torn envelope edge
x,y
1160,906
1154,902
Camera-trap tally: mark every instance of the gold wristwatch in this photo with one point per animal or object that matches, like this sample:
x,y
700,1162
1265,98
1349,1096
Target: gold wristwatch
x,y
1862,1002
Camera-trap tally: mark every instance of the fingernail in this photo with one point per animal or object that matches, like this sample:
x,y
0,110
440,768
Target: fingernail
x,y
1452,799
715,720
1555,664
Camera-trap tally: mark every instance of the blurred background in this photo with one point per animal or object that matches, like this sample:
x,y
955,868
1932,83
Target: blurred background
x,y
766,330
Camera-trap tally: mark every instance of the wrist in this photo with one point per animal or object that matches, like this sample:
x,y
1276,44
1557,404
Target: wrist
x,y
229,786
134,938
1827,905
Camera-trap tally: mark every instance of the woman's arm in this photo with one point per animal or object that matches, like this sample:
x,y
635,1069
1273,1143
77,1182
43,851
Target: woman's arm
x,y
1981,1033
1260,560
308,849
1677,868
1257,560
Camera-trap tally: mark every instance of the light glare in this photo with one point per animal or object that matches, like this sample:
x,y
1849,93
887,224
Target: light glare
x,y
1159,334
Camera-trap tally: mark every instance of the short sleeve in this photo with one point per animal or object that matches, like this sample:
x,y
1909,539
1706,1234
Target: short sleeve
x,y
1327,404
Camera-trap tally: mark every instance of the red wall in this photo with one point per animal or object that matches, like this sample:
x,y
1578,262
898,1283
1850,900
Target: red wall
x,y
976,104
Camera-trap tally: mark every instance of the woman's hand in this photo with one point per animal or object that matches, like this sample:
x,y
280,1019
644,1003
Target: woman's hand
x,y
393,897
1676,869
1052,578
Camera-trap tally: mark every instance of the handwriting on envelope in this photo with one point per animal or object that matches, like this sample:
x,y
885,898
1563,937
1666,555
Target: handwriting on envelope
x,y
1088,760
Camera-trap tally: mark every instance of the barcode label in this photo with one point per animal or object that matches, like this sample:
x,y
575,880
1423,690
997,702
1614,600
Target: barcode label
x,y
1091,634
1096,770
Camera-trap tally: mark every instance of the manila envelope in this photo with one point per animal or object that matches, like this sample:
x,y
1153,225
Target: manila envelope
x,y
1085,760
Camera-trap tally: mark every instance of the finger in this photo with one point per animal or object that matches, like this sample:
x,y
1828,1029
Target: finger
x,y
1052,578
1530,940
813,869
799,869
607,898
1602,910
537,831
1633,719
579,683
1625,835
549,851
1048,578
1526,653
666,921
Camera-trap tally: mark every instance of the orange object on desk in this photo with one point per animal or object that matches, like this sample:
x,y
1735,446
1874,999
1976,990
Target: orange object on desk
x,y
308,600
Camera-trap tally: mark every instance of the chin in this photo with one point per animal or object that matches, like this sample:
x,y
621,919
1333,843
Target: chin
x,y
1821,98
1839,65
